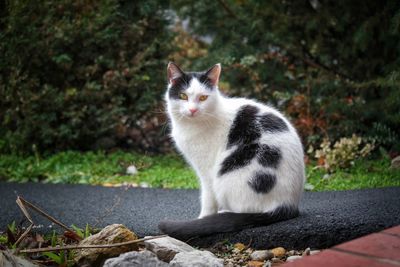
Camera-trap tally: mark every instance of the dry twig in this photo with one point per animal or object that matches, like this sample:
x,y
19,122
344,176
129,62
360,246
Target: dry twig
x,y
34,250
22,204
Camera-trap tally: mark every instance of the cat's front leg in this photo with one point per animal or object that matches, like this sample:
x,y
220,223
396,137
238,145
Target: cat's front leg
x,y
208,202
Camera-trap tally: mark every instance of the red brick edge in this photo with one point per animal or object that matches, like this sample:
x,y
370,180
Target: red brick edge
x,y
374,250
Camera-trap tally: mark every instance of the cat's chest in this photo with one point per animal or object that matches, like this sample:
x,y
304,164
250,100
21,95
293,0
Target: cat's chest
x,y
201,148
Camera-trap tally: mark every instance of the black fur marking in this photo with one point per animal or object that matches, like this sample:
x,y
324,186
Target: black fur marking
x,y
241,157
262,182
269,156
183,82
225,222
272,123
245,128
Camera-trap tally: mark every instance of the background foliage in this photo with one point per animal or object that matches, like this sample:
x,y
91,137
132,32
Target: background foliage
x,y
333,66
90,74
80,74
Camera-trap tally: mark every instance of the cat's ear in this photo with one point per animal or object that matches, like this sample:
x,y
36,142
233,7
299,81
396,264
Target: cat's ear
x,y
174,72
213,74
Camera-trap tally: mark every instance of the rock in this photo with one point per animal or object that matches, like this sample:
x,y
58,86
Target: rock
x,y
144,185
111,234
239,246
255,264
7,259
309,187
291,253
313,252
307,252
261,255
395,163
276,260
131,170
278,252
134,258
293,258
167,247
197,258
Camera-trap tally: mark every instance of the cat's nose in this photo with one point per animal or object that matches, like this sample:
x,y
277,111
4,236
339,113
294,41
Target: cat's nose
x,y
193,110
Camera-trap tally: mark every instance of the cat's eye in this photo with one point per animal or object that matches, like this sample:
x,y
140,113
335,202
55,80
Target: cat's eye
x,y
203,97
183,96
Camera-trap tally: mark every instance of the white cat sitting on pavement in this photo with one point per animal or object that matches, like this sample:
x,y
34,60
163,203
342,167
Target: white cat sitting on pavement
x,y
247,155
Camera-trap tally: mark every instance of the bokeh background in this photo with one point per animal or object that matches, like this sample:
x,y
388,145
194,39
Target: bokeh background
x,y
90,75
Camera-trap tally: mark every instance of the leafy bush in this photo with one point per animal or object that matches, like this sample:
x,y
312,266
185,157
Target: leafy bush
x,y
342,154
74,72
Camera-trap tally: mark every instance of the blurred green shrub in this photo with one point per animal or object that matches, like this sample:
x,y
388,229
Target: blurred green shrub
x,y
74,72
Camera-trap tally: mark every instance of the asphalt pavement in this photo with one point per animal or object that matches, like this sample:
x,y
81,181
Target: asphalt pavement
x,y
326,219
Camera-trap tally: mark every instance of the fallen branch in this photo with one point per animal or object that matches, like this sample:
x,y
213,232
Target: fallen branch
x,y
35,250
22,203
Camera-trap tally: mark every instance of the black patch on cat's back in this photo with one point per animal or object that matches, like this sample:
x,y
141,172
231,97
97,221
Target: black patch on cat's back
x,y
241,157
269,156
244,129
272,123
262,182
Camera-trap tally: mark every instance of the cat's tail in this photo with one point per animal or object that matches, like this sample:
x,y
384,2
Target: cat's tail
x,y
225,222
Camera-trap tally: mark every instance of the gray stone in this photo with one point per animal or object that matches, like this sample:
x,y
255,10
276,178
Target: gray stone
x,y
293,258
395,163
7,259
134,258
167,247
276,260
313,252
196,258
132,170
261,255
307,252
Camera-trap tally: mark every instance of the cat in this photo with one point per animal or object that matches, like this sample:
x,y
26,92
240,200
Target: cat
x,y
247,156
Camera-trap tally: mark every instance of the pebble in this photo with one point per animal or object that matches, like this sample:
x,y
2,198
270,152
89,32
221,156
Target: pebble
x,y
291,253
132,170
276,260
313,252
255,264
395,163
278,252
144,185
167,247
307,252
197,258
261,255
293,258
239,246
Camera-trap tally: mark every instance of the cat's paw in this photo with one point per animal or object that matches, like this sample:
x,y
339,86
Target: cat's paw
x,y
205,214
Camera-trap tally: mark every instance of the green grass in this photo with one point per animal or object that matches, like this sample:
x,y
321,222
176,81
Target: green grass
x,y
364,174
168,171
98,168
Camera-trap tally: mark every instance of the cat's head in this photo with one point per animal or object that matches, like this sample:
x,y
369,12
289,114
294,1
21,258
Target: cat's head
x,y
192,94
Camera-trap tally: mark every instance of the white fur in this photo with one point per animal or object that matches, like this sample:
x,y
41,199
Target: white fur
x,y
202,139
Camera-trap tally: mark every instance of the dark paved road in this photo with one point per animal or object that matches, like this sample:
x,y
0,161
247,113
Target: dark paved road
x,y
327,218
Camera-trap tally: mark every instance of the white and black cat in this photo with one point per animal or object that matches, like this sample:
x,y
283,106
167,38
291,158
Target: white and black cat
x,y
248,157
